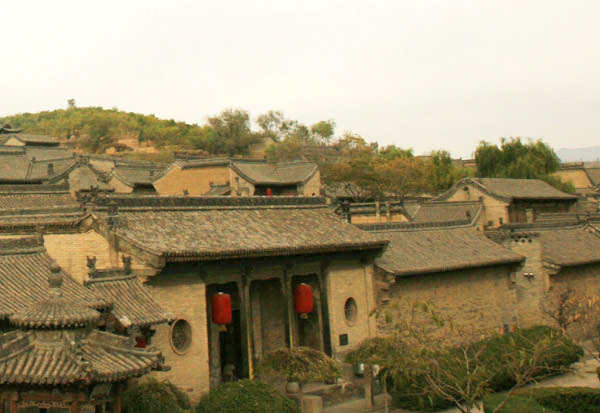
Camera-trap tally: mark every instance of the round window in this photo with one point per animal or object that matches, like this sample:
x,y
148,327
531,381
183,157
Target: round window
x,y
350,311
181,336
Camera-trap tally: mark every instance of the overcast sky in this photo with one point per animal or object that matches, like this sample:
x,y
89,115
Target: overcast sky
x,y
416,73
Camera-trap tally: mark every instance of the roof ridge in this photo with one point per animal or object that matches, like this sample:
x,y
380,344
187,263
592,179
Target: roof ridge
x,y
412,226
21,244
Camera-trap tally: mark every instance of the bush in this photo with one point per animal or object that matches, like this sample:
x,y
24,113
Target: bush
x,y
411,392
301,364
247,396
153,396
548,399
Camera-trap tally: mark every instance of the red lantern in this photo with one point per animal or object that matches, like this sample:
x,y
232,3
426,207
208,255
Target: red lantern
x,y
221,309
269,192
303,297
140,342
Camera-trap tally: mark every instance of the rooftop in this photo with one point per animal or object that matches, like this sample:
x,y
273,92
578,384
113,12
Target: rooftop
x,y
133,302
211,228
417,250
512,189
24,270
436,211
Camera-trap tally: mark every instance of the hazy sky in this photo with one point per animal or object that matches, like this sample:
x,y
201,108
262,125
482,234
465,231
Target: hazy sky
x,y
415,73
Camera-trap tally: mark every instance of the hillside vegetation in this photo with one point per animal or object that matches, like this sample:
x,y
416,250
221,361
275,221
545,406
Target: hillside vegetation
x,y
347,162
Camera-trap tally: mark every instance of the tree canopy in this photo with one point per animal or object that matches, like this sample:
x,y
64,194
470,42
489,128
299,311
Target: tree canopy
x,y
520,160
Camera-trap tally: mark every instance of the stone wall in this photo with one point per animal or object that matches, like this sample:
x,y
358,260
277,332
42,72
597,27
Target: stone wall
x,y
481,299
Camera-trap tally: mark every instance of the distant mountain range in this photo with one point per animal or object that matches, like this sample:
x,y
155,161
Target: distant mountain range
x,y
589,154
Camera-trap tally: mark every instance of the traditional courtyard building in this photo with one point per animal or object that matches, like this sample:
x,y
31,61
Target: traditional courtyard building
x,y
560,253
258,250
55,358
24,270
242,177
509,201
451,265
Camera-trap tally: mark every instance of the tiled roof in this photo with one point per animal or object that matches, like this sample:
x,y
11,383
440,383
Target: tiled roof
x,y
25,207
570,246
66,357
423,251
447,211
19,168
218,190
136,175
133,303
29,138
55,311
225,227
57,201
509,189
24,270
594,175
262,173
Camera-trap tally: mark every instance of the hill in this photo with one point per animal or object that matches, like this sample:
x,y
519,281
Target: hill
x,y
588,154
94,129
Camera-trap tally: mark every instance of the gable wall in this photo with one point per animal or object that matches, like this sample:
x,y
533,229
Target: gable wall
x,y
70,251
493,209
312,186
195,180
14,142
578,177
119,186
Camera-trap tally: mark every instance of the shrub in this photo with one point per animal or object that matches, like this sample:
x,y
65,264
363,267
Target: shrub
x,y
410,389
247,396
548,399
300,363
153,396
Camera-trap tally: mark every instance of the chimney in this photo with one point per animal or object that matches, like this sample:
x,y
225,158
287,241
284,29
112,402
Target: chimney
x,y
50,169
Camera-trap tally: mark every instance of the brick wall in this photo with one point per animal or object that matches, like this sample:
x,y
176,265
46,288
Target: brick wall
x,y
70,251
195,180
493,209
578,177
119,186
184,296
531,280
313,185
481,299
350,279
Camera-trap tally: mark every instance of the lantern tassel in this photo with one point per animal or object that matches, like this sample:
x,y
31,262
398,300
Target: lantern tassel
x,y
222,328
304,316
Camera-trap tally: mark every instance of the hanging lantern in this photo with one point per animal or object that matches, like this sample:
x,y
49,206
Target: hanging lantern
x,y
303,298
221,310
141,342
269,192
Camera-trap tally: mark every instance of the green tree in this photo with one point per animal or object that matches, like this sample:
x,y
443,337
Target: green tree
x,y
230,132
515,159
391,152
323,131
